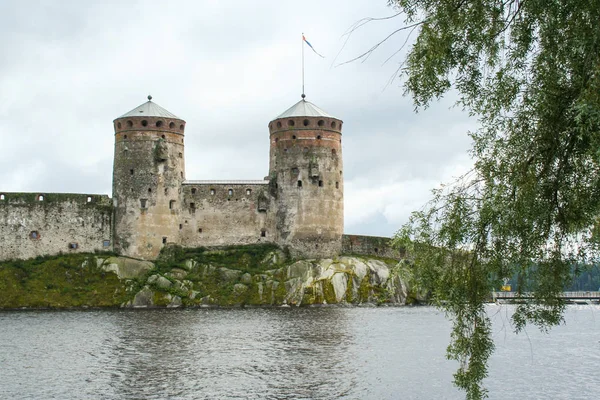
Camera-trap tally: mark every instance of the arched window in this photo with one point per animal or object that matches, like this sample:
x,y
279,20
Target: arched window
x,y
299,184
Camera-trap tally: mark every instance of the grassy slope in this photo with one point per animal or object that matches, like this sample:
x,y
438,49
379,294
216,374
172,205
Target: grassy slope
x,y
59,281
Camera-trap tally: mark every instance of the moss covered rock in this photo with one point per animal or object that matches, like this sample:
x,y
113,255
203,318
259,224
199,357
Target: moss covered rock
x,y
200,277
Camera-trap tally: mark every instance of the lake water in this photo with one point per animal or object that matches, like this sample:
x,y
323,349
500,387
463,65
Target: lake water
x,y
283,353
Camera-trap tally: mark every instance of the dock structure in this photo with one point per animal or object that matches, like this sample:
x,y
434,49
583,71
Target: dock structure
x,y
569,297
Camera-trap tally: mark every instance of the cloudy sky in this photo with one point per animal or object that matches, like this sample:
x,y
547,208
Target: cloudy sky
x,y
69,68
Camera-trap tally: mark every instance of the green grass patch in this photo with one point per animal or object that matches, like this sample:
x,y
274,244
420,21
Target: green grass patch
x,y
72,280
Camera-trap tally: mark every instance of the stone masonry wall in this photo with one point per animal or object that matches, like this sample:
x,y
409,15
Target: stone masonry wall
x,y
149,167
370,246
306,168
220,213
38,224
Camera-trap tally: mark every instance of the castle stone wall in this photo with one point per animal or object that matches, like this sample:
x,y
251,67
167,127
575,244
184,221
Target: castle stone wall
x,y
149,167
220,213
38,224
306,167
370,246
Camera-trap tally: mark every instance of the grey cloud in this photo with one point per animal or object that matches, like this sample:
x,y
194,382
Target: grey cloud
x,y
68,68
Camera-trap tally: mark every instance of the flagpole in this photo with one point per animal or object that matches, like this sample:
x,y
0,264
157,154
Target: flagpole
x,y
303,95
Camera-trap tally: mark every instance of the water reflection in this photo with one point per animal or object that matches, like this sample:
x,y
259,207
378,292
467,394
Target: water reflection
x,y
251,353
306,353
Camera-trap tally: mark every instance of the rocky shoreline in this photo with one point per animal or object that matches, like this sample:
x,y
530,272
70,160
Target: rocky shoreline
x,y
257,277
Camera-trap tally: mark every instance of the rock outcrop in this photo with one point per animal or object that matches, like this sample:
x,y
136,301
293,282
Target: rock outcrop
x,y
343,280
254,275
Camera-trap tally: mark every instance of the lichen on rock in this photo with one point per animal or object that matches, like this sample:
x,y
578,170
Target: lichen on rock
x,y
214,278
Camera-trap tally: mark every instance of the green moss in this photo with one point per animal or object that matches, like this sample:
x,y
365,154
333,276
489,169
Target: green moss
x,y
279,294
249,258
328,292
364,290
72,280
350,289
160,299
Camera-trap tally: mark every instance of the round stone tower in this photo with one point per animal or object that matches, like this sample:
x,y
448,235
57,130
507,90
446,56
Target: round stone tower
x,y
306,173
148,171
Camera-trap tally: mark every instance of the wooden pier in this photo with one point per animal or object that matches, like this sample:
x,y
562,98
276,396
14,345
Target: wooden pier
x,y
569,297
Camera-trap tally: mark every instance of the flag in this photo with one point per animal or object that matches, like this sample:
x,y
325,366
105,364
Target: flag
x,y
310,45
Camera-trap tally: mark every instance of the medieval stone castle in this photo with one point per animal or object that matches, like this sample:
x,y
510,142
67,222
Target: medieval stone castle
x,y
299,205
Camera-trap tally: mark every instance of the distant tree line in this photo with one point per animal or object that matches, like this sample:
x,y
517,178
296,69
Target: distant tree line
x,y
584,278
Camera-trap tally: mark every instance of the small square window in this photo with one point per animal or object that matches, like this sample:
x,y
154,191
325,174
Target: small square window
x,y
193,190
212,192
89,199
106,243
73,246
34,235
2,197
164,240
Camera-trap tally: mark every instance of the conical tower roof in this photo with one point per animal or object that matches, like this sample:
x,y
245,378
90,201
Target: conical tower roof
x,y
149,109
304,108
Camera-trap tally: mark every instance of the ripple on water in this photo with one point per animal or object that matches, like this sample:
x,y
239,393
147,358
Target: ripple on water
x,y
287,353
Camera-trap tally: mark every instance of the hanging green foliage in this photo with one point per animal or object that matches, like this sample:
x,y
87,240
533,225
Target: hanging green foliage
x,y
529,71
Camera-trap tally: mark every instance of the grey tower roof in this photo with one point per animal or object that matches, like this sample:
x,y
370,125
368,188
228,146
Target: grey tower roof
x,y
149,109
304,108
